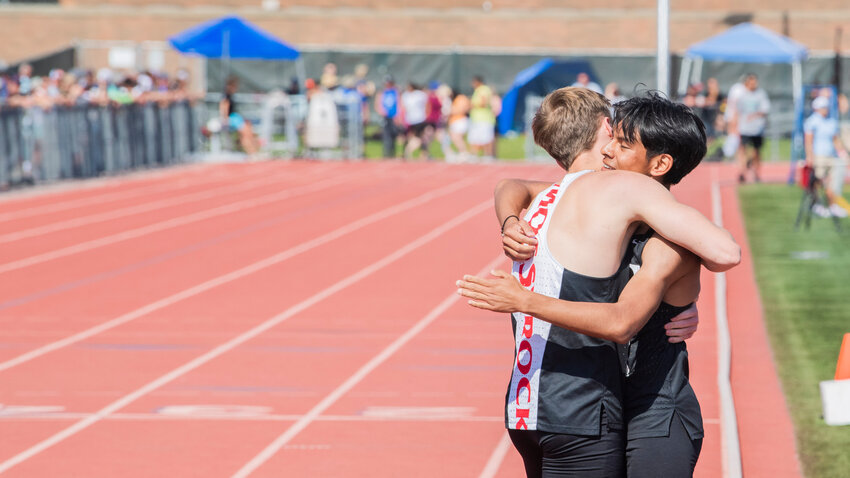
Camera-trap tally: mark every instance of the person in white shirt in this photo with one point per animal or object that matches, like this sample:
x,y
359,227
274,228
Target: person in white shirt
x,y
751,108
583,81
414,106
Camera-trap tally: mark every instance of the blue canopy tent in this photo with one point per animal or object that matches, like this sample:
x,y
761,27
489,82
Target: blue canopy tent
x,y
232,37
539,79
747,43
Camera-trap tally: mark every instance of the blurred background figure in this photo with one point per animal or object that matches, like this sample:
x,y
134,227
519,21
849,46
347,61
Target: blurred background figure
x,y
329,79
752,106
709,106
732,143
386,105
414,110
583,81
612,92
444,94
482,119
458,125
366,90
230,117
827,156
293,88
433,117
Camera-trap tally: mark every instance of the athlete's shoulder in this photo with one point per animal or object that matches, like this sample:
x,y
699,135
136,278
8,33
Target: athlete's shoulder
x,y
618,182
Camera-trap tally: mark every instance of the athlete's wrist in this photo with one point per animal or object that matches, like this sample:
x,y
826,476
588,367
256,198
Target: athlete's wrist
x,y
506,220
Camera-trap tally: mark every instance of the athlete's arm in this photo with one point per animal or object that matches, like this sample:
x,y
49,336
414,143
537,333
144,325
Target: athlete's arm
x,y
619,322
645,200
511,197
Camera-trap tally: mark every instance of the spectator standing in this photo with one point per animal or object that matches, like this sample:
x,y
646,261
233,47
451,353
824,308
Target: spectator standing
x,y
752,107
583,81
612,92
732,144
414,105
386,105
709,108
229,116
458,127
433,117
329,79
444,93
828,157
25,79
482,119
294,88
366,90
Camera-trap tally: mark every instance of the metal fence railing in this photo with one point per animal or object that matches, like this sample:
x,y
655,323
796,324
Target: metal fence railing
x,y
83,141
291,125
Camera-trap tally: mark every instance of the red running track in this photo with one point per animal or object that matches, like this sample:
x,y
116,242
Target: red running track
x,y
277,319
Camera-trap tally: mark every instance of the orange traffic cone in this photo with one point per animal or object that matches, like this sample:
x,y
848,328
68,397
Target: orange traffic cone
x,y
842,370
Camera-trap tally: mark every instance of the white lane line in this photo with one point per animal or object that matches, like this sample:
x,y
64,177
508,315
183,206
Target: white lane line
x,y
155,417
358,376
234,275
168,224
272,417
244,337
496,458
729,421
184,183
147,207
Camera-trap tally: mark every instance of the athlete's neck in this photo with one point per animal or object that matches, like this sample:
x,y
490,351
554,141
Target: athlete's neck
x,y
584,161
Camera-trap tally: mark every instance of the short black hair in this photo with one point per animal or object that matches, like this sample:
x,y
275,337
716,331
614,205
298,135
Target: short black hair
x,y
663,127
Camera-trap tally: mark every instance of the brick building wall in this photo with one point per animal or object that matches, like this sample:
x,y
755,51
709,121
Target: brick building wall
x,y
507,25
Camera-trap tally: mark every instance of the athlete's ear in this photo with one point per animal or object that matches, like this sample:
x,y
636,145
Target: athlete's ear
x,y
660,165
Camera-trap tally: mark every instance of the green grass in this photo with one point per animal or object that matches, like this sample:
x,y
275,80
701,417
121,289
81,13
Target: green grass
x,y
807,309
513,148
510,148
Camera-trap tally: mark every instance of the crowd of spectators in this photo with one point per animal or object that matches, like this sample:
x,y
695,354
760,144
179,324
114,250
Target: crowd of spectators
x,y
410,117
22,89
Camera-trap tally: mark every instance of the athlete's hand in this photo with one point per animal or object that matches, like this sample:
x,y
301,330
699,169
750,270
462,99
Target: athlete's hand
x,y
518,241
683,326
503,293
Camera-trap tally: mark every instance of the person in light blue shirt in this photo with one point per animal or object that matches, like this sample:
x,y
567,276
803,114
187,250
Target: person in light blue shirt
x,y
828,157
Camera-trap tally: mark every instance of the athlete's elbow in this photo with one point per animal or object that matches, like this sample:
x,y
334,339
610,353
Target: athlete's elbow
x,y
502,184
726,259
622,331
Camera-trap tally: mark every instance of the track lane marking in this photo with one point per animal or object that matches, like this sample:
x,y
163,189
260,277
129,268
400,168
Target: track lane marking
x,y
234,275
110,196
104,216
167,224
357,377
497,457
251,333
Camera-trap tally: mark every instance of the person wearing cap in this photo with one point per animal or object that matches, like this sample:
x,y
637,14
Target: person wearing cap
x,y
828,157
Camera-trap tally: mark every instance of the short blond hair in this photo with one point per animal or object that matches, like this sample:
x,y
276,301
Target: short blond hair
x,y
567,122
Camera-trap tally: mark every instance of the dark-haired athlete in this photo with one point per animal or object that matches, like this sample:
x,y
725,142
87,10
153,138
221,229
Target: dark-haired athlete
x,y
596,214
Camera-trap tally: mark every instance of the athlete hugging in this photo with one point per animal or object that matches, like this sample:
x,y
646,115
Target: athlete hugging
x,y
605,275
